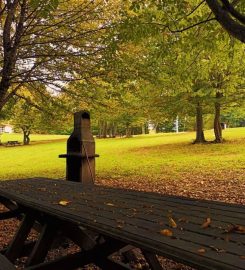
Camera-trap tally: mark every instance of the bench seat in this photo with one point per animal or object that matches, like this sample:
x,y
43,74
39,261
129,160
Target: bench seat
x,y
5,264
208,235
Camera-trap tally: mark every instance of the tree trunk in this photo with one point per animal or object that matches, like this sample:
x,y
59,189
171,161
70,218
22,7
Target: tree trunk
x,y
104,129
115,130
111,130
200,138
26,138
236,27
26,133
10,44
128,132
217,124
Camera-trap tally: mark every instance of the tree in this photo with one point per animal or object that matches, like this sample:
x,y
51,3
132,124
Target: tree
x,y
25,117
197,54
181,16
230,17
50,42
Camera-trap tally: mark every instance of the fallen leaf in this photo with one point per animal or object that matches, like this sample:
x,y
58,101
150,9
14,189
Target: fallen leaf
x,y
242,257
64,202
166,232
206,223
221,250
138,266
201,250
240,229
217,249
172,223
236,229
119,226
120,221
110,204
42,189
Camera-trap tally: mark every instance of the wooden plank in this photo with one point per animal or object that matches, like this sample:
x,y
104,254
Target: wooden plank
x,y
152,260
91,208
175,249
26,250
10,214
183,234
123,202
153,221
179,199
137,197
99,255
73,261
43,244
5,264
79,236
180,205
8,203
16,246
163,208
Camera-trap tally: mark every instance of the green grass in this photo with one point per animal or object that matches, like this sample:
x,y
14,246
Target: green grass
x,y
157,157
34,137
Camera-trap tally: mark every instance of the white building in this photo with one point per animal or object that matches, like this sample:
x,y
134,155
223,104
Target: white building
x,y
6,128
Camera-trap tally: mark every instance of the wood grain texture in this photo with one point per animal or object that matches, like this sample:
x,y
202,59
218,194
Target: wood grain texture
x,y
5,264
137,218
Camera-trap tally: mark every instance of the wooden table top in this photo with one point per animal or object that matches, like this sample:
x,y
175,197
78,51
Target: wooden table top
x,y
139,218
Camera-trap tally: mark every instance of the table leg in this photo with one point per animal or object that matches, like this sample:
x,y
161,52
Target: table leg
x,y
42,245
15,248
152,260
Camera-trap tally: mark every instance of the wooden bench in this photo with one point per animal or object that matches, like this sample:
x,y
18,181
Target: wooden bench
x,y
12,143
5,264
103,220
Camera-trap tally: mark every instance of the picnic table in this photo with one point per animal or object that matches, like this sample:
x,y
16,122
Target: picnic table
x,y
12,143
102,220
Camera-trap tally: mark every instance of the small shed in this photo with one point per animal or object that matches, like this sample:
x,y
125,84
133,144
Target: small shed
x,y
6,128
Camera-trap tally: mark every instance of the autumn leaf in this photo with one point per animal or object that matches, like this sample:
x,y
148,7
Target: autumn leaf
x,y
172,223
120,221
242,257
201,250
236,229
64,202
110,204
166,232
206,223
219,250
42,189
240,229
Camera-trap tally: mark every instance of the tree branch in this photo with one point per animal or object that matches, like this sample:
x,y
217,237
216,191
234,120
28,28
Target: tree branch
x,y
233,11
236,29
190,26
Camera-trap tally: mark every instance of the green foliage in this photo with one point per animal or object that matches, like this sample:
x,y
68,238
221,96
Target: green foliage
x,y
46,7
132,62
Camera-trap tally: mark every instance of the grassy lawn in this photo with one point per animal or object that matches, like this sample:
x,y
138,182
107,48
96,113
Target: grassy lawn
x,y
34,137
156,157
